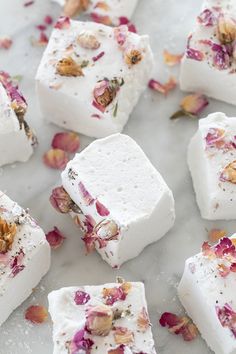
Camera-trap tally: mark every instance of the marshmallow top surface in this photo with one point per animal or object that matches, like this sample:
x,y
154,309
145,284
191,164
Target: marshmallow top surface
x,y
69,318
28,236
117,172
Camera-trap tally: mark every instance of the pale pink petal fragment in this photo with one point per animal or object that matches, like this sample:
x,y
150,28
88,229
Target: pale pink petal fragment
x,y
125,21
68,142
215,137
121,34
5,42
143,320
56,159
227,317
163,88
208,251
61,200
179,325
172,59
16,264
80,344
81,297
55,238
221,57
87,198
36,314
63,23
101,209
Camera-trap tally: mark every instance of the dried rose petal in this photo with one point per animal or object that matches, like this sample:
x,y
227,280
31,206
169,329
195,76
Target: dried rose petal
x,y
5,42
105,91
125,21
4,259
179,325
87,198
215,137
105,20
194,54
68,142
229,173
28,3
107,230
41,41
119,350
56,158
36,314
227,317
81,297
112,295
226,29
143,320
102,5
61,200
163,88
225,247
123,335
79,342
221,58
63,23
207,18
172,59
55,238
16,264
99,56
208,251
121,34
99,320
233,268
215,235
101,209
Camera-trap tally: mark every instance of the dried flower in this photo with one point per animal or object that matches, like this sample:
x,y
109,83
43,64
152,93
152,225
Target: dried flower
x,y
229,173
56,159
143,320
55,238
163,88
62,202
75,7
7,235
123,335
36,314
133,57
179,325
194,54
68,142
101,209
191,106
80,343
226,29
88,40
68,67
207,18
118,293
5,42
172,59
99,320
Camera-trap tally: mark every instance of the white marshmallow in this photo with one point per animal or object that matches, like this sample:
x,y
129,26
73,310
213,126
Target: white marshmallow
x,y
70,102
69,318
211,150
16,141
111,9
209,299
23,266
214,66
124,198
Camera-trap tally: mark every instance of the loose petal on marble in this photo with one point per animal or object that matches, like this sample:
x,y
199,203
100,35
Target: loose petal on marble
x,y
171,59
229,173
68,142
191,106
36,314
55,238
56,159
123,335
5,43
143,320
179,325
101,209
61,200
227,317
163,88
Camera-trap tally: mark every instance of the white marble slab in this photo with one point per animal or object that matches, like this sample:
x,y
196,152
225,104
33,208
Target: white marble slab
x,y
160,265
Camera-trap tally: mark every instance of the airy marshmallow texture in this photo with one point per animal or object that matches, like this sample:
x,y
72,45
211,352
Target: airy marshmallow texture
x,y
114,9
30,238
14,143
117,173
203,76
216,198
68,318
68,101
201,290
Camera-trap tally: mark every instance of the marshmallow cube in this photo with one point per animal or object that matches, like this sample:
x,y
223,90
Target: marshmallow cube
x,y
211,159
16,138
24,256
209,58
207,291
125,203
91,76
110,318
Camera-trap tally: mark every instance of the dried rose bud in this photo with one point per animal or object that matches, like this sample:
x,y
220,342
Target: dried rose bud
x,y
68,67
133,57
99,320
105,91
88,40
61,200
226,29
229,173
7,235
75,7
191,106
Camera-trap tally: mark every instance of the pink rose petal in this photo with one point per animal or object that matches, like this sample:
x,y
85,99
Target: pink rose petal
x,y
63,23
16,264
227,317
179,325
56,159
55,238
81,297
87,198
48,20
104,19
101,209
194,54
5,42
68,142
36,314
61,200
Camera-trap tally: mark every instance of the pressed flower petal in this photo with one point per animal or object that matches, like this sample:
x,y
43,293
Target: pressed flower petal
x,y
80,343
68,142
87,198
81,297
56,158
215,235
61,200
163,88
55,238
207,18
36,314
63,23
101,209
171,59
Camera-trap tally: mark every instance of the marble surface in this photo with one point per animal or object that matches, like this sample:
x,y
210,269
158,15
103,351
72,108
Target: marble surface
x,y
160,265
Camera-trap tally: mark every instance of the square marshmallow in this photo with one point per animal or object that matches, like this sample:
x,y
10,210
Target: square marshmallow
x,y
24,256
209,64
91,76
125,203
106,319
207,291
16,138
212,163
112,12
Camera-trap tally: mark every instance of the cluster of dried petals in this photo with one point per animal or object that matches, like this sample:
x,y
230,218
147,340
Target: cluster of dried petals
x,y
80,343
118,293
86,196
81,297
163,88
125,21
7,235
88,40
56,159
226,29
99,320
123,335
105,91
75,7
62,202
36,314
172,59
55,238
179,325
68,142
143,320
133,56
68,67
227,317
191,106
229,173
